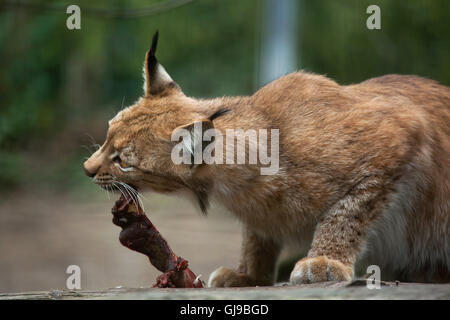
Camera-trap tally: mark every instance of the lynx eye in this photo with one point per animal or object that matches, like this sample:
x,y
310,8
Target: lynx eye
x,y
121,163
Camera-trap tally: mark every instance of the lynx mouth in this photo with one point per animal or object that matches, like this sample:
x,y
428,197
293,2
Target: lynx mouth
x,y
115,185
108,187
126,190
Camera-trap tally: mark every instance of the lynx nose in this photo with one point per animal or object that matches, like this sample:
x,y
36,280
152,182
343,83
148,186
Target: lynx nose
x,y
90,167
88,173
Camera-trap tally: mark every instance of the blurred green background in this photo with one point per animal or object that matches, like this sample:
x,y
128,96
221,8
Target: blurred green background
x,y
58,87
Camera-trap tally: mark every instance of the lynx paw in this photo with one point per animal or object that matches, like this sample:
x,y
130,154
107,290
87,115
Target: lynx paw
x,y
320,269
225,277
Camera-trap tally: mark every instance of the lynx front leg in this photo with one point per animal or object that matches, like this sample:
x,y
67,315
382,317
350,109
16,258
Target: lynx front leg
x,y
340,235
257,266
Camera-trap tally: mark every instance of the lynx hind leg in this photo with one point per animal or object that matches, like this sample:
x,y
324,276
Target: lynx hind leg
x,y
257,266
225,277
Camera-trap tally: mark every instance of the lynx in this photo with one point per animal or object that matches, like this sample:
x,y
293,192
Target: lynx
x,y
363,178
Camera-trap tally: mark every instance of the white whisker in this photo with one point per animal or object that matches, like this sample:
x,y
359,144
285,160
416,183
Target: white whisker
x,y
87,148
123,101
118,188
138,196
132,192
129,193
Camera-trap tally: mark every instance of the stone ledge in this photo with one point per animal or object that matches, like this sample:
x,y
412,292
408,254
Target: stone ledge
x,y
325,290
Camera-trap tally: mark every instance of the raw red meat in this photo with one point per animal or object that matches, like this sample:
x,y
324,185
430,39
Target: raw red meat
x,y
139,234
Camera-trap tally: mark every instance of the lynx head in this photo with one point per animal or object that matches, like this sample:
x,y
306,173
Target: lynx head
x,y
138,146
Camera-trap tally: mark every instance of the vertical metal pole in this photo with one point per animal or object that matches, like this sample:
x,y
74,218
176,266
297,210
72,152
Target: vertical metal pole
x,y
279,39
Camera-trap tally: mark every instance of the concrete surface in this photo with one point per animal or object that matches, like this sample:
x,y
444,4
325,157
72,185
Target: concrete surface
x,y
329,290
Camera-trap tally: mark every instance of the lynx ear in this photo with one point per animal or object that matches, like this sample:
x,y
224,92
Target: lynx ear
x,y
157,80
196,130
192,142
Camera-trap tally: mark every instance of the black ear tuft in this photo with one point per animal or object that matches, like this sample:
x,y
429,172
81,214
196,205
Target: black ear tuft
x,y
151,59
154,43
157,80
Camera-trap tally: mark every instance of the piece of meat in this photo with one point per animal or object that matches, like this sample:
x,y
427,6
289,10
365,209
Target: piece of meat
x,y
139,234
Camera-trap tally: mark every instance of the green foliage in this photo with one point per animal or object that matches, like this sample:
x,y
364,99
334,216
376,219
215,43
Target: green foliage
x,y
12,176
53,81
414,39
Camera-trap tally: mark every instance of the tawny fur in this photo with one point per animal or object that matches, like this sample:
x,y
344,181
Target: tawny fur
x,y
364,173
